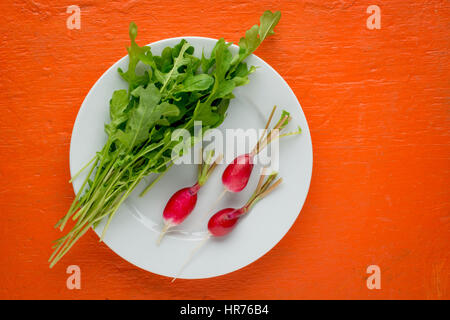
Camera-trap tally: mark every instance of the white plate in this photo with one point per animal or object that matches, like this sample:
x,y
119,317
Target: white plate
x,y
134,229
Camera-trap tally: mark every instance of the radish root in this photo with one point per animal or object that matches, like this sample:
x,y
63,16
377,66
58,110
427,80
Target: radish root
x,y
167,226
191,255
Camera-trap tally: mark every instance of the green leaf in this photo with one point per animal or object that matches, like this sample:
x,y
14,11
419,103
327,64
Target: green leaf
x,y
203,112
240,81
207,63
117,106
180,60
177,48
221,88
155,134
242,70
144,116
148,59
223,59
256,35
168,110
135,53
163,122
250,42
268,21
225,88
197,82
284,114
222,108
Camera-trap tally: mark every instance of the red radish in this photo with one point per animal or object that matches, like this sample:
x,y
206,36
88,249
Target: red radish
x,y
180,205
224,221
221,223
182,202
236,175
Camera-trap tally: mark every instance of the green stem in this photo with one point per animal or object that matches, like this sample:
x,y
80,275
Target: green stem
x,y
125,196
69,245
82,169
90,212
75,203
154,181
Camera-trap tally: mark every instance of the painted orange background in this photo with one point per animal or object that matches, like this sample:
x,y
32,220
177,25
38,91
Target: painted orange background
x,y
377,102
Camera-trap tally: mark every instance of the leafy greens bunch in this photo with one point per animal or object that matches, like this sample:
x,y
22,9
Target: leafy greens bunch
x,y
175,90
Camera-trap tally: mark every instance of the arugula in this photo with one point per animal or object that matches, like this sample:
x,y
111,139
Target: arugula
x,y
256,34
135,54
175,90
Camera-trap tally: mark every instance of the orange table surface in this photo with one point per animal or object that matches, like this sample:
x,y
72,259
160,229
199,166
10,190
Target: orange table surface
x,y
377,103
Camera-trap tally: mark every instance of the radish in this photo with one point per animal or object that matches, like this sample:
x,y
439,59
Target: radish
x,y
225,220
237,174
182,202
